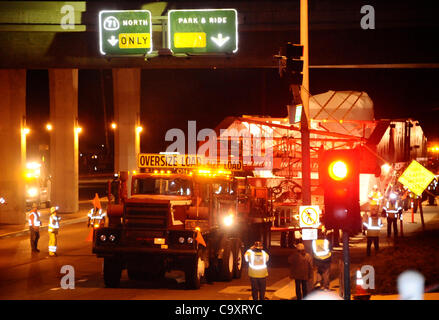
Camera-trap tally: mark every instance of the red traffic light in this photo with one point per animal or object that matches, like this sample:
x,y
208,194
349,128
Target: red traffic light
x,y
338,170
339,177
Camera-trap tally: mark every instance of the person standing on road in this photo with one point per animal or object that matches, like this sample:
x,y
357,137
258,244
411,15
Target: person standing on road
x,y
257,260
393,212
53,230
34,227
96,218
301,270
322,259
373,227
375,197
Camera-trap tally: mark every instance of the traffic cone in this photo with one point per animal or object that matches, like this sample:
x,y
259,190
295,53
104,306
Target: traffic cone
x,y
360,293
90,236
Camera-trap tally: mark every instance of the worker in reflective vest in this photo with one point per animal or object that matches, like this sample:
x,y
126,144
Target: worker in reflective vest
x,y
53,230
393,211
373,227
96,218
375,197
257,260
34,227
322,260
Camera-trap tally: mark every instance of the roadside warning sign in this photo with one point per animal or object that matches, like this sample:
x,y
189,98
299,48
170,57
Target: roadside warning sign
x,y
309,216
416,177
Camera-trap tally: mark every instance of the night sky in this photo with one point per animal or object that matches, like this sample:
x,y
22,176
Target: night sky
x,y
170,98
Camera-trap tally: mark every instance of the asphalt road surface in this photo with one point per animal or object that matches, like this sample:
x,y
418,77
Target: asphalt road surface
x,y
24,275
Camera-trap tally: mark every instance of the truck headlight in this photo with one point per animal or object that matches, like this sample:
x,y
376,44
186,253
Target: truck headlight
x,y
228,220
32,192
112,237
190,240
181,240
103,237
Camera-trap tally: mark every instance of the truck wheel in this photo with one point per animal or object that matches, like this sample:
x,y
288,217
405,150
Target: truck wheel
x,y
195,270
238,255
283,239
135,273
227,262
112,272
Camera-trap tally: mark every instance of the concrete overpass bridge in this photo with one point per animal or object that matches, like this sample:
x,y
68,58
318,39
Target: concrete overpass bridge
x,y
62,37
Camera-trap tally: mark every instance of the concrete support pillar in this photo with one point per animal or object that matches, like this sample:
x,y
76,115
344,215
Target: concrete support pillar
x,y
63,88
126,88
12,145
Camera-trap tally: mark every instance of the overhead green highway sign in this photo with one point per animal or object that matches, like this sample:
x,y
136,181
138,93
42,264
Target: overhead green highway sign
x,y
203,31
125,32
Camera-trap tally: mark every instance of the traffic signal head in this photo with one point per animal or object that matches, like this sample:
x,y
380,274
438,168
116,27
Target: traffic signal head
x,y
338,170
339,174
294,65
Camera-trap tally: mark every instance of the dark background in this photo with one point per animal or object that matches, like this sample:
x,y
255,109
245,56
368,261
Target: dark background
x,y
406,32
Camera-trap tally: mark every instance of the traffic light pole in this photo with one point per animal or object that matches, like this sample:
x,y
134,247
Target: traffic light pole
x,y
346,267
304,98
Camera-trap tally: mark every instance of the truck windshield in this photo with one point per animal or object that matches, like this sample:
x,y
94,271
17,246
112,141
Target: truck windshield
x,y
163,186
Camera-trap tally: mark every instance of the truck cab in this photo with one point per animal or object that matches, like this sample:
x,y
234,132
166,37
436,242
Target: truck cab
x,y
173,220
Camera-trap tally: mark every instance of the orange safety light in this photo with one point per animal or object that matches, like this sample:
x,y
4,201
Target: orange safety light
x,y
338,170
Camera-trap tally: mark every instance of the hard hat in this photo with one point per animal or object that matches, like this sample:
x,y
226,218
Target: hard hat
x,y
258,245
54,209
300,246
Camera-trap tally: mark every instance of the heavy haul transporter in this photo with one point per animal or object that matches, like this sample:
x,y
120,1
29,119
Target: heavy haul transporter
x,y
193,220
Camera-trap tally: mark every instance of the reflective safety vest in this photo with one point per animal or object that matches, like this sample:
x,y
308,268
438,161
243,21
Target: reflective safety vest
x,y
54,223
257,263
96,215
375,198
34,219
392,209
373,227
320,247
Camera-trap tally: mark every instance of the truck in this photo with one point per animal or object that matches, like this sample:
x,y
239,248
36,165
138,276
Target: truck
x,y
37,185
198,220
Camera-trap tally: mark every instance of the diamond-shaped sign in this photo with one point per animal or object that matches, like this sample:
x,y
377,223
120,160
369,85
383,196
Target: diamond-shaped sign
x,y
416,177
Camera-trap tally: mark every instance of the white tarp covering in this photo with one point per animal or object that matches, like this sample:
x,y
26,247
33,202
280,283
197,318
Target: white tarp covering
x,y
334,106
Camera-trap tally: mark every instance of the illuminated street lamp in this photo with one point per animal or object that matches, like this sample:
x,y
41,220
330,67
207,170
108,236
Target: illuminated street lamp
x,y
49,127
139,129
113,125
78,129
26,130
